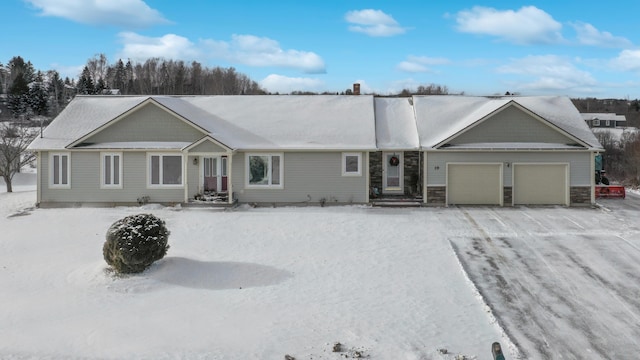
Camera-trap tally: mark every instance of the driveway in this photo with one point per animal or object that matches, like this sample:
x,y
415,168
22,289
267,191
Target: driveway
x,y
564,283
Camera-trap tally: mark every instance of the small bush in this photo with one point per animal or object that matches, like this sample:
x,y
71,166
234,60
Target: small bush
x,y
133,243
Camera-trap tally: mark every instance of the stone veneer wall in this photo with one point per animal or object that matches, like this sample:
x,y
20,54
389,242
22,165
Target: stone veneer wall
x,y
580,195
413,163
436,195
375,170
507,196
412,173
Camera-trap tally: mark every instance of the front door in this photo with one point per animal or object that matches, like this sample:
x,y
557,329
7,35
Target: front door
x,y
215,173
393,178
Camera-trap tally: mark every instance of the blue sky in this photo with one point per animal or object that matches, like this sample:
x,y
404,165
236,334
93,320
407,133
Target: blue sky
x,y
578,49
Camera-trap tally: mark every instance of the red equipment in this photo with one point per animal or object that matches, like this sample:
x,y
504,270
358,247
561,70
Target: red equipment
x,y
610,191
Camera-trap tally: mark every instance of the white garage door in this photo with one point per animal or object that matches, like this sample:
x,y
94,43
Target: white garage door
x,y
474,184
541,184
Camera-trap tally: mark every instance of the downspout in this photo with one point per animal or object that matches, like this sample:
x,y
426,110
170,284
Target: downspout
x,y
424,178
185,170
39,178
368,176
592,189
229,177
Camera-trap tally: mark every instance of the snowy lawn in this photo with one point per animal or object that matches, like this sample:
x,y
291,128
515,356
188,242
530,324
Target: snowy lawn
x,y
265,283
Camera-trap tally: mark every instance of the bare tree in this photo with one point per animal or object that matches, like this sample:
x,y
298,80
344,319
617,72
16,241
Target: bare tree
x,y
14,140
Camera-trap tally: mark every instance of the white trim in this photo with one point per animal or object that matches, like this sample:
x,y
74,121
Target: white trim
x,y
344,164
386,189
51,171
160,175
103,185
269,185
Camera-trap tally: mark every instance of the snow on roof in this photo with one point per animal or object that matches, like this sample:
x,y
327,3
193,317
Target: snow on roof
x,y
395,124
603,116
83,115
240,122
315,122
441,117
291,121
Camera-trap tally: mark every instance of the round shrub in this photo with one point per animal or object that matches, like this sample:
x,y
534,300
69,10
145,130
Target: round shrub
x,y
135,242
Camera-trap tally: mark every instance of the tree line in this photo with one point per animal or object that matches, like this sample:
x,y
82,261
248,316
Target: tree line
x,y
26,92
157,76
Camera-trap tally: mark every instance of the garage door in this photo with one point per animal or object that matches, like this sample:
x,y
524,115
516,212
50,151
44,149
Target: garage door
x,y
540,184
474,184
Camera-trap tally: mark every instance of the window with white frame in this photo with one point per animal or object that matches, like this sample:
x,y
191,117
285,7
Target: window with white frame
x,y
596,122
165,170
351,164
60,170
111,170
265,170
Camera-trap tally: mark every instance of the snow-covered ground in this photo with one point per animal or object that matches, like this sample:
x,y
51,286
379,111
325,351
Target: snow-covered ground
x,y
546,282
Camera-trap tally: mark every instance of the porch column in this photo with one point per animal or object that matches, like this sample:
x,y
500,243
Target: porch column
x,y
185,171
229,178
424,178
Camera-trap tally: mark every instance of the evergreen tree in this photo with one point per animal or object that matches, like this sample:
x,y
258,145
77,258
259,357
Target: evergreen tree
x,y
17,95
100,86
120,77
55,87
85,83
38,97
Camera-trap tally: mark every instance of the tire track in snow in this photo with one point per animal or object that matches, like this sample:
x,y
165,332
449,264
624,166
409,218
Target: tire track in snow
x,y
535,312
508,293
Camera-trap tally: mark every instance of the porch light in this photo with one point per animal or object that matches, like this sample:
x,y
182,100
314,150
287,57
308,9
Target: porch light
x,y
195,161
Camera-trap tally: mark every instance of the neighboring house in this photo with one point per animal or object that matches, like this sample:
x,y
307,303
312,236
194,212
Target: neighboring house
x,y
437,150
604,120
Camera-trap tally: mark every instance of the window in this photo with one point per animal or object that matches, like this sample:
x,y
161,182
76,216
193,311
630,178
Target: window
x,y
606,123
596,122
264,170
351,164
59,171
224,166
111,170
165,170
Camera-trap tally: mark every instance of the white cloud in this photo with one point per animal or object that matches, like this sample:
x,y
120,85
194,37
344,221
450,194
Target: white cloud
x,y
285,85
418,64
373,23
528,25
127,13
263,52
627,60
242,49
72,72
589,35
170,46
548,72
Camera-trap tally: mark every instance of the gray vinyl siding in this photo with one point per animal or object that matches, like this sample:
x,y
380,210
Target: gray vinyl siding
x,y
579,164
85,181
150,123
308,177
511,125
207,147
193,176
